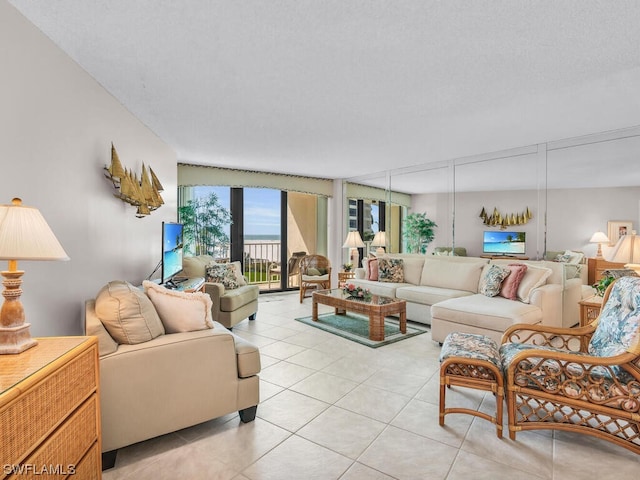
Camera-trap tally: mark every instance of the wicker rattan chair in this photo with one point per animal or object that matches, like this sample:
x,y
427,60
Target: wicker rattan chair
x,y
293,269
585,379
315,273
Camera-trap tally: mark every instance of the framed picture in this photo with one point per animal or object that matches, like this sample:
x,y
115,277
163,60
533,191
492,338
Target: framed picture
x,y
617,229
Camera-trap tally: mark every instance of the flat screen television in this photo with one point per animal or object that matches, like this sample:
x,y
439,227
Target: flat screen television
x,y
171,251
501,242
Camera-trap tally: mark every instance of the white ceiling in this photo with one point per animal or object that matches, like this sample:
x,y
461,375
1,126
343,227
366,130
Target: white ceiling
x,y
338,88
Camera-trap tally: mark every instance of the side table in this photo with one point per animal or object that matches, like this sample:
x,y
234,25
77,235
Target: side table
x,y
343,277
589,309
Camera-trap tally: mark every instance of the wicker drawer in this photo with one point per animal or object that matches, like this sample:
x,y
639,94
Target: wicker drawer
x,y
64,449
89,467
52,415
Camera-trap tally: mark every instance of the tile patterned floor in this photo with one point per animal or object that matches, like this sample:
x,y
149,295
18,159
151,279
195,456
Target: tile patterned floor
x,y
334,409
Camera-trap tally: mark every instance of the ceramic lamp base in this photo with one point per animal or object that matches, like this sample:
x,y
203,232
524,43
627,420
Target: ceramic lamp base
x,y
16,339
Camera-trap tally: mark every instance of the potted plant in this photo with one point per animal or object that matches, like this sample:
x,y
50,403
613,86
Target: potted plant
x,y
418,232
602,284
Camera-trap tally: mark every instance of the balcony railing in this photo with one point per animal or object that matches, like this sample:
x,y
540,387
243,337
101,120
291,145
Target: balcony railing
x,y
259,257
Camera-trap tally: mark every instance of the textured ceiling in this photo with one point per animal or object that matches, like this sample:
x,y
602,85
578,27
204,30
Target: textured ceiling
x,y
338,88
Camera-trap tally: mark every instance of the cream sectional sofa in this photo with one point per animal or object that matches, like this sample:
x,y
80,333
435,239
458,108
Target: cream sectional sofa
x,y
442,291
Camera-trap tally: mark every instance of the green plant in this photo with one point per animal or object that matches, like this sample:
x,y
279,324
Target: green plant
x,y
418,231
602,284
204,221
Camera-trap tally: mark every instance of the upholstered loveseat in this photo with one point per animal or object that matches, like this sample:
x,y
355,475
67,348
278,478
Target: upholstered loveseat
x,y
165,365
233,298
443,291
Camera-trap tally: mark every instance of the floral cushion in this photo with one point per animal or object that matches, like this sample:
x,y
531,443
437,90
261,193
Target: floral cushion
x,y
223,273
491,280
575,380
390,270
619,323
470,345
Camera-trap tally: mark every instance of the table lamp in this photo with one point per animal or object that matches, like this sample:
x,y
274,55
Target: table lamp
x,y
380,241
599,238
627,251
354,242
24,235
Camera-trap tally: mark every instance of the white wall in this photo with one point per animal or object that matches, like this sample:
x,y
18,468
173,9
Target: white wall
x,y
572,216
56,129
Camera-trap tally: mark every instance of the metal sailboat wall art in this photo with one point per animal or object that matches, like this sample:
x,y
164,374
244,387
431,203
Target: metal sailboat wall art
x,y
143,193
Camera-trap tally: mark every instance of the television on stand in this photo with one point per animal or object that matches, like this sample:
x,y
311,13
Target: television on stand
x,y
502,242
172,245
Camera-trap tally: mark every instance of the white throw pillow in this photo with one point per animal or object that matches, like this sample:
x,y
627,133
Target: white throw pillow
x,y
180,311
574,257
533,278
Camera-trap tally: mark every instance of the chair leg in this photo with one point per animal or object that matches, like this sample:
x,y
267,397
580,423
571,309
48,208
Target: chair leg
x,y
253,316
248,414
109,459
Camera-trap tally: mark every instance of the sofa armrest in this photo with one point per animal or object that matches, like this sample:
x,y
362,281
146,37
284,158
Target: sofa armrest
x,y
549,298
248,357
216,292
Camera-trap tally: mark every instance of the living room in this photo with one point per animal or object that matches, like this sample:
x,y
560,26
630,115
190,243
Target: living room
x,y
59,123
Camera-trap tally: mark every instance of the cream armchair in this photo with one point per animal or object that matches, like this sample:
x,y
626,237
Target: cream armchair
x,y
169,381
230,306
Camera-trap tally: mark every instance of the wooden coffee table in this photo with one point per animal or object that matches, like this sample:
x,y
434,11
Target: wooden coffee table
x,y
376,308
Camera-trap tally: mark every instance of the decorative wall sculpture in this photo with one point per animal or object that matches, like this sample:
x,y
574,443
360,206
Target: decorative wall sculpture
x,y
497,219
143,193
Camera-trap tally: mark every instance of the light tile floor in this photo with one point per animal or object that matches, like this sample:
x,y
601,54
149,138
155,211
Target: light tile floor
x,y
334,409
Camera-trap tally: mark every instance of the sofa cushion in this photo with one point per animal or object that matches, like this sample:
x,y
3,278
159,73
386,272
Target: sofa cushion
x,y
457,275
223,273
390,270
193,267
372,269
510,284
127,313
491,279
426,295
236,298
94,327
533,278
387,289
492,313
180,311
412,269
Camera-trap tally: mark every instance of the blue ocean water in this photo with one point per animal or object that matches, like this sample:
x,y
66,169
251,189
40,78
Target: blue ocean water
x,y
504,247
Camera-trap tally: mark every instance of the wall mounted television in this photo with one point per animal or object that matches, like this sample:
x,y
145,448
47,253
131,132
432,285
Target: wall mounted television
x,y
172,244
502,242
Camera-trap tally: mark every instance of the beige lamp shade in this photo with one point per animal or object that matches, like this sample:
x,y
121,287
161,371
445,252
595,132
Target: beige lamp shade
x,y
627,250
380,241
354,240
599,237
25,235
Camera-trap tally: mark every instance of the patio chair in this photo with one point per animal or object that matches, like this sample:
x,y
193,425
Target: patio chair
x,y
315,273
293,268
585,379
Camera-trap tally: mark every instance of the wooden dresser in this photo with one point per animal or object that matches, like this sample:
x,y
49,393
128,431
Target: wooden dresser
x,y
50,412
595,267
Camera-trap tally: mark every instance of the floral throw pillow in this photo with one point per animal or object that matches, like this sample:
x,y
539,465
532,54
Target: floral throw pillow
x,y
390,270
223,273
491,280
